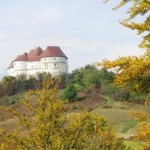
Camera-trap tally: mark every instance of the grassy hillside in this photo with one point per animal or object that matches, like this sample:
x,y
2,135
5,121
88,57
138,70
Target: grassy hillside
x,y
119,114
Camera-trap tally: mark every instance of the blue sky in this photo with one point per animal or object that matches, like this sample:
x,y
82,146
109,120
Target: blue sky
x,y
86,30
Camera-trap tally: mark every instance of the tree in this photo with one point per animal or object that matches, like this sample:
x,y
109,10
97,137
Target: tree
x,y
21,83
31,83
76,76
106,75
92,80
70,93
47,126
8,84
131,71
62,80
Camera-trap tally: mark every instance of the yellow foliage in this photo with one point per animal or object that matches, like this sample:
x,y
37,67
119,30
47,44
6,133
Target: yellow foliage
x,y
134,71
46,126
131,71
143,129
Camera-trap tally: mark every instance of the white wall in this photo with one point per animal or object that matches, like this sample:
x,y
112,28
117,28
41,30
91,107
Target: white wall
x,y
52,65
11,71
33,68
55,65
20,67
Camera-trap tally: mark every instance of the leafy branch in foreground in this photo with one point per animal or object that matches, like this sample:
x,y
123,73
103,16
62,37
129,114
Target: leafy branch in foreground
x,y
134,71
45,125
131,71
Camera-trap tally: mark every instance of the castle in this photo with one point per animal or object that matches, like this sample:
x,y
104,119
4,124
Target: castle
x,y
52,60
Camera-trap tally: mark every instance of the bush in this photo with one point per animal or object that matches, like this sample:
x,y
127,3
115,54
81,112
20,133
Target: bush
x,y
138,98
110,90
8,85
70,93
89,78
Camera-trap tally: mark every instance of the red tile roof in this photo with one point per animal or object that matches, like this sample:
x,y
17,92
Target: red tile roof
x,y
53,51
38,53
34,54
22,57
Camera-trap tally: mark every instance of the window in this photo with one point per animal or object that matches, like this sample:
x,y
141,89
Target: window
x,y
45,65
54,58
55,66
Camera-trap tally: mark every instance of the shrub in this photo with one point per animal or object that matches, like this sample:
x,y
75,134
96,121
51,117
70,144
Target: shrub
x,y
124,94
70,93
138,98
8,84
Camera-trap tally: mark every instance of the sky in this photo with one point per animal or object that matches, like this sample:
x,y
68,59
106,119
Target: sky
x,y
86,30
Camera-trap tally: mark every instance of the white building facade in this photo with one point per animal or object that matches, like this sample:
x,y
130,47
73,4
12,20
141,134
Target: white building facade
x,y
52,60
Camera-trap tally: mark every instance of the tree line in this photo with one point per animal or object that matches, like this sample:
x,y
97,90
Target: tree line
x,y
11,85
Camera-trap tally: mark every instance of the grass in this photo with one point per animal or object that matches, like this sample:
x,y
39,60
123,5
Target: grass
x,y
129,124
133,145
119,114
